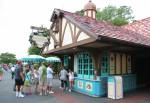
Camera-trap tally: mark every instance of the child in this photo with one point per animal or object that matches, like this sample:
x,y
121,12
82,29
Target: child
x,y
71,80
27,85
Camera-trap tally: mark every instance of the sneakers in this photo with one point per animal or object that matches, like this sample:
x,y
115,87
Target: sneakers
x,y
45,93
17,94
20,95
69,90
51,92
40,94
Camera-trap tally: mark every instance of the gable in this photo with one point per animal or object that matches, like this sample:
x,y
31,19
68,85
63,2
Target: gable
x,y
51,45
82,36
71,33
67,37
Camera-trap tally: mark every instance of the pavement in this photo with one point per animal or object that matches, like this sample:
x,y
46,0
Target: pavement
x,y
7,95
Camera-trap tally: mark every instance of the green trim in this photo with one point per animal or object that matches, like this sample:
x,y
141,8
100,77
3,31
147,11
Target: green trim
x,y
85,64
66,60
105,64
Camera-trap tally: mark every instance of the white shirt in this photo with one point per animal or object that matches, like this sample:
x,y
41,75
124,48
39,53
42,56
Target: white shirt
x,y
36,74
71,76
13,69
49,72
40,72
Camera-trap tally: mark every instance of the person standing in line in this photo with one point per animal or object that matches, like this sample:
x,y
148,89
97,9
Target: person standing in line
x,y
27,84
49,79
12,72
42,79
63,77
36,78
71,80
19,79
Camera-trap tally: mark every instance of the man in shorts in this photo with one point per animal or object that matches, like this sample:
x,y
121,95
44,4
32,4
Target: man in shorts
x,y
19,79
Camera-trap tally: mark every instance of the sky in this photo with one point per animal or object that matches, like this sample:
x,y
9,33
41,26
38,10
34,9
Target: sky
x,y
16,17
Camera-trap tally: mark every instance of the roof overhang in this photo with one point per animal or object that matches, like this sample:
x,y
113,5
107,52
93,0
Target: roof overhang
x,y
70,48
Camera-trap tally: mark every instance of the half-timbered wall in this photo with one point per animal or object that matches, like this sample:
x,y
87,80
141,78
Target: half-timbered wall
x,y
57,36
67,39
71,33
68,34
82,36
51,45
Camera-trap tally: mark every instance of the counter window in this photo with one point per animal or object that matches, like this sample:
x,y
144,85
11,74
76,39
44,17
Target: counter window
x,y
85,64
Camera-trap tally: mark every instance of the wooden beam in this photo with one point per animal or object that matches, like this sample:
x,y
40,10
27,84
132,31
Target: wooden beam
x,y
63,32
72,36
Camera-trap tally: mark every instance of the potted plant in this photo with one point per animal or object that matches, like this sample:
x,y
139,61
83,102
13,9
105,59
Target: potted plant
x,y
1,73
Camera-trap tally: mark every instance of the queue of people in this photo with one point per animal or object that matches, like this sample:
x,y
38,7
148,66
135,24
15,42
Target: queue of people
x,y
64,77
42,77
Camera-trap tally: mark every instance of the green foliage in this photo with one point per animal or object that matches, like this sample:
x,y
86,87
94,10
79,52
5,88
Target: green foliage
x,y
119,21
34,50
1,71
7,58
81,12
107,14
56,67
117,16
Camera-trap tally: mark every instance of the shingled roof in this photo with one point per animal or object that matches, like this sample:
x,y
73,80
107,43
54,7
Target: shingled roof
x,y
142,27
102,29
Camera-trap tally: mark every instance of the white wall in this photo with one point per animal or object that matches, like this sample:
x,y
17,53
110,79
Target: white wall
x,y
67,36
51,45
82,36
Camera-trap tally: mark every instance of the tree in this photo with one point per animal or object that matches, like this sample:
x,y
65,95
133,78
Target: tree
x,y
34,50
107,14
117,16
7,58
81,12
36,44
119,21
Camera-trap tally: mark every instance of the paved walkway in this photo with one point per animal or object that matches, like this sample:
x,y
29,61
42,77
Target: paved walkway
x,y
8,96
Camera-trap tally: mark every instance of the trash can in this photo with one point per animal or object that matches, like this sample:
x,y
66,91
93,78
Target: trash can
x,y
115,87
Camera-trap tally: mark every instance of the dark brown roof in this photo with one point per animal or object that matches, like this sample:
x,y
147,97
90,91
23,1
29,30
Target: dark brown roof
x,y
142,27
98,28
